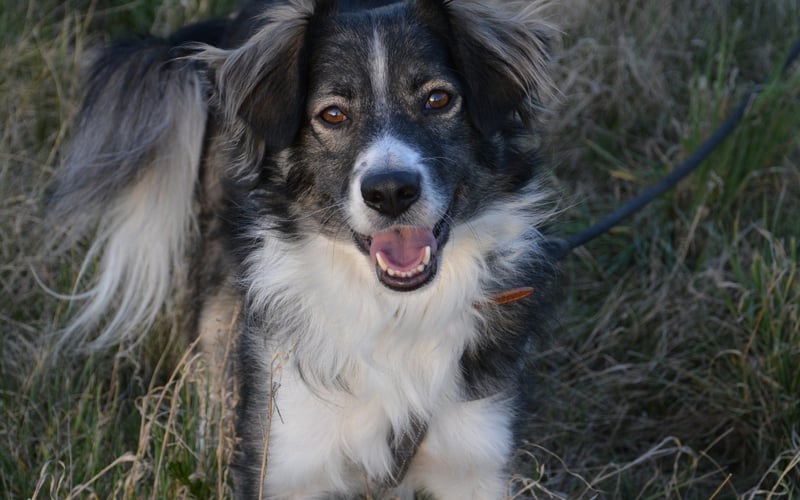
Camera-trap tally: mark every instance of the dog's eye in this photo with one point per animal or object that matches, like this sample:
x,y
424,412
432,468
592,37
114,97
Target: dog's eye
x,y
333,115
437,99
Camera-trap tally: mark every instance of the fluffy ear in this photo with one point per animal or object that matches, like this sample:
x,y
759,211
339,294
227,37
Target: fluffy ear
x,y
262,82
500,48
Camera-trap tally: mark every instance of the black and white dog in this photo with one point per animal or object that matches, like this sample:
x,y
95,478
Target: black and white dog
x,y
354,181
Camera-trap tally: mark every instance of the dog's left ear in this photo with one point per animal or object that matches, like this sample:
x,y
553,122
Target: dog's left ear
x,y
262,82
501,52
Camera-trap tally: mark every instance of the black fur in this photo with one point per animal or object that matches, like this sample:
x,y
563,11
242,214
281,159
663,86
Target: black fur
x,y
273,176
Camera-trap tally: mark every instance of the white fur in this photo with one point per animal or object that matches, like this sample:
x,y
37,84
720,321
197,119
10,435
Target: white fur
x,y
379,71
465,451
398,354
141,238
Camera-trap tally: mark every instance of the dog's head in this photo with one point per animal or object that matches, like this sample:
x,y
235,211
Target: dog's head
x,y
389,126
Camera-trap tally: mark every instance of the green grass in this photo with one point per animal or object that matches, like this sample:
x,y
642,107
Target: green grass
x,y
674,371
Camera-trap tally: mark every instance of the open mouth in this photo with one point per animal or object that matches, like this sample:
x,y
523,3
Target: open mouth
x,y
405,257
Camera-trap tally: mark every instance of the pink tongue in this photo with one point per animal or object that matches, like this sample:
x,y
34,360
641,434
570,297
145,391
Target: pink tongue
x,y
403,248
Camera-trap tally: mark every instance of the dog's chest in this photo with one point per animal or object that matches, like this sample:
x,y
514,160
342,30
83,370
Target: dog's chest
x,y
353,431
351,365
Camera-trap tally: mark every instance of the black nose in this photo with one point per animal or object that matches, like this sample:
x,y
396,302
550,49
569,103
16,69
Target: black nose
x,y
392,192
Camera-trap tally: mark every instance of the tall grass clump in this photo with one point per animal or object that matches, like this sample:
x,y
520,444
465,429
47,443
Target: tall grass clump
x,y
674,371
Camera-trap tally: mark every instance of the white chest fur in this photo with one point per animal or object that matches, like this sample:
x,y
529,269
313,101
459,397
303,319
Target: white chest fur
x,y
352,363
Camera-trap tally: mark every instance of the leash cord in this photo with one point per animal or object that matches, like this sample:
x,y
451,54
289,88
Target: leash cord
x,y
558,248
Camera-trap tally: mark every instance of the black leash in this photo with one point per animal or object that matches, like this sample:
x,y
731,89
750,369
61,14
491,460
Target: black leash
x,y
558,248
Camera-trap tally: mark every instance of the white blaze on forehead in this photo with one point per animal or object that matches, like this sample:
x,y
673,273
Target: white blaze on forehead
x,y
379,69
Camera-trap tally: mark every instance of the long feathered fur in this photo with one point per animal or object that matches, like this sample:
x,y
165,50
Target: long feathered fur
x,y
129,177
180,145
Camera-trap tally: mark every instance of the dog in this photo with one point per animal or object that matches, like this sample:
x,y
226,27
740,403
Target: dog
x,y
355,185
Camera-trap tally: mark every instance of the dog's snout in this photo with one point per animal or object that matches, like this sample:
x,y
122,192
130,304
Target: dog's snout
x,y
391,193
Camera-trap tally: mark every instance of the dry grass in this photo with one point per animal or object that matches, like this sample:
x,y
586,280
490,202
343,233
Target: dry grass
x,y
674,372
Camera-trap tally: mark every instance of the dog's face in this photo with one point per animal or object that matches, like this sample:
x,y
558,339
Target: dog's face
x,y
389,127
386,142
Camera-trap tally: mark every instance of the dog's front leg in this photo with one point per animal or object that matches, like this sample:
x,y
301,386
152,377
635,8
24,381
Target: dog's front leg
x,y
465,453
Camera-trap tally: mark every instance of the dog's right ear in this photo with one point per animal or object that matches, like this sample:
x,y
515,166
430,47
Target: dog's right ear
x,y
263,81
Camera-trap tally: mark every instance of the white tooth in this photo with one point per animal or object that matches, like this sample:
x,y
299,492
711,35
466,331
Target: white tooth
x,y
427,259
391,272
381,262
420,268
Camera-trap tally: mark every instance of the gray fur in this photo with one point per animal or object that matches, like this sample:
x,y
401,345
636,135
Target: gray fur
x,y
128,176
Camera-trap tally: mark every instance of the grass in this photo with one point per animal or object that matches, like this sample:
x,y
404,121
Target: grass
x,y
674,371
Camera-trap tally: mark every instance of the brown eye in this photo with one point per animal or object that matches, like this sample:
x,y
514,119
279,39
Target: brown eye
x,y
333,115
437,99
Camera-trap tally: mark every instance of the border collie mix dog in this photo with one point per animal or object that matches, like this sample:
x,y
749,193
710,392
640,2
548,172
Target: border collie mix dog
x,y
354,180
